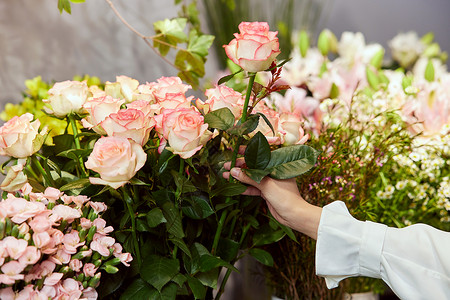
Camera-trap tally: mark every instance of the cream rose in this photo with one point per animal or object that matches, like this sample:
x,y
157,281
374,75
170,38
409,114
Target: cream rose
x,y
99,109
20,138
116,159
254,48
129,123
67,97
293,131
184,129
125,87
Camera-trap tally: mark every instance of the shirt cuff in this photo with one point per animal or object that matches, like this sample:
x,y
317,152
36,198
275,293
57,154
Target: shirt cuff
x,y
347,247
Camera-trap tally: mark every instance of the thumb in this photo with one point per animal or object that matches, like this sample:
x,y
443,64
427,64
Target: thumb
x,y
242,177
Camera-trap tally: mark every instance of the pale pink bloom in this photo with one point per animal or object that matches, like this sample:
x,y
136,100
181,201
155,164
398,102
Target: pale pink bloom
x,y
19,209
292,126
78,200
116,159
254,48
24,228
20,138
42,239
295,101
99,109
75,265
61,257
164,86
30,256
28,292
5,279
53,278
98,207
85,223
90,294
220,97
184,129
274,119
71,242
66,213
41,222
47,267
299,70
67,97
129,123
26,189
52,194
86,253
15,179
89,270
174,101
101,226
13,269
125,258
38,197
7,293
70,288
147,108
14,247
49,291
57,236
102,244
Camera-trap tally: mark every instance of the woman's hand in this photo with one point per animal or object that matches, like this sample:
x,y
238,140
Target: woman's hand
x,y
283,199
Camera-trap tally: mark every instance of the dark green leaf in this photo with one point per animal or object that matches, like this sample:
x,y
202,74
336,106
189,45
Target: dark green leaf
x,y
182,245
228,77
256,175
182,183
173,218
257,153
198,207
142,225
221,119
224,205
229,190
266,235
262,256
169,292
209,262
155,217
197,288
138,289
179,279
292,161
158,270
248,126
227,249
267,122
209,278
77,184
164,159
75,153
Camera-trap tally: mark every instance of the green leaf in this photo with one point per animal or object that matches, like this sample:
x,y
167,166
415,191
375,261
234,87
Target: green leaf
x,y
182,183
304,43
197,288
64,5
164,159
155,217
168,292
334,91
172,215
172,28
262,256
222,118
229,189
62,142
257,153
189,61
245,128
182,245
179,279
198,207
77,184
135,181
75,153
228,77
138,289
227,249
267,122
427,38
429,71
377,59
158,270
266,236
209,278
292,161
372,78
256,175
224,205
200,44
209,262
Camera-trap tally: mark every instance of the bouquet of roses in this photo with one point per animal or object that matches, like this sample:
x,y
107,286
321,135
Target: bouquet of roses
x,y
154,156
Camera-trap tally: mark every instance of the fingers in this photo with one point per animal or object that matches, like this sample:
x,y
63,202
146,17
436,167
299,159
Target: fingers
x,y
252,191
242,177
239,163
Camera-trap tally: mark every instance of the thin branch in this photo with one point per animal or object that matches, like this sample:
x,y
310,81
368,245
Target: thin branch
x,y
145,38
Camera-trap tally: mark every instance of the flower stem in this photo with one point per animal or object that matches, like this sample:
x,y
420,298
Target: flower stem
x,y
128,202
77,141
48,180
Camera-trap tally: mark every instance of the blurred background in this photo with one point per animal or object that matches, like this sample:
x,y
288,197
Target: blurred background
x,y
35,39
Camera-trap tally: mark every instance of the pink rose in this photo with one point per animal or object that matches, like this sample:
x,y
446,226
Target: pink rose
x,y
254,48
163,87
174,101
274,119
20,138
292,126
129,123
146,107
184,129
67,97
116,159
222,96
99,109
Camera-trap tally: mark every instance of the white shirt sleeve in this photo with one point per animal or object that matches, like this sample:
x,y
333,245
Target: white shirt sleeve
x,y
414,261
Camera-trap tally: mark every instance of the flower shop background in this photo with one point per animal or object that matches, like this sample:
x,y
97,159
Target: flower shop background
x,y
36,40
92,41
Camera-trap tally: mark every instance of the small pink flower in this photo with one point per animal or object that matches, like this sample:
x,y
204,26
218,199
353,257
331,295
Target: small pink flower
x,y
49,291
7,293
125,258
24,228
42,239
13,269
47,267
52,194
53,278
101,226
78,200
254,48
66,213
41,222
98,207
85,223
70,288
14,247
89,270
90,294
101,244
30,256
71,242
61,257
75,265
